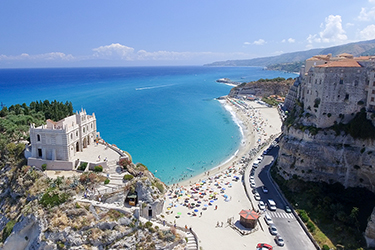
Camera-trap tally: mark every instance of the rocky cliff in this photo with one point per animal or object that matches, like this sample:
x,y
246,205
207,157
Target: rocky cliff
x,y
37,212
328,156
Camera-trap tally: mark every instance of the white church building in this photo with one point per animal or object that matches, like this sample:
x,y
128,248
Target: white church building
x,y
57,143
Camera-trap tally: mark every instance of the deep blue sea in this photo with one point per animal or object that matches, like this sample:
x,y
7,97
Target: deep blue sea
x,y
166,117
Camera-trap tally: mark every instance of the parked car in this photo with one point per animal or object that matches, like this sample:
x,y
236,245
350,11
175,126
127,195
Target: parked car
x,y
252,184
264,246
272,228
268,219
261,205
287,209
257,197
265,190
279,240
252,178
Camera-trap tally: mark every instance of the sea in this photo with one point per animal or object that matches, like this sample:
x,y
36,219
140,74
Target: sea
x,y
167,118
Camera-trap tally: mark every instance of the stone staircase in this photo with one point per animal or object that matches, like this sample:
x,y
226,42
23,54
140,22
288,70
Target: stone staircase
x,y
116,179
191,244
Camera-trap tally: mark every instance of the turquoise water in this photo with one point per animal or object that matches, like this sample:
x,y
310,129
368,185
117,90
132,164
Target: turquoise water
x,y
166,117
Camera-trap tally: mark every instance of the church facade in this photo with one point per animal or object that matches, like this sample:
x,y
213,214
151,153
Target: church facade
x,y
60,141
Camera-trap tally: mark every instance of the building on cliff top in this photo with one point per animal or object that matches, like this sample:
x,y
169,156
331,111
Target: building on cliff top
x,y
333,89
58,142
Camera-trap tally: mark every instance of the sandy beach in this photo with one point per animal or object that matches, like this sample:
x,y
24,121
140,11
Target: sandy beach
x,y
207,202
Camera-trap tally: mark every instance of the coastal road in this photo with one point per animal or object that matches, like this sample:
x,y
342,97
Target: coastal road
x,y
287,225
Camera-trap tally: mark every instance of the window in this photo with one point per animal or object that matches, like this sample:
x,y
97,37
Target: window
x,y
39,152
373,84
84,130
71,135
341,81
76,133
373,91
372,99
356,83
38,137
347,97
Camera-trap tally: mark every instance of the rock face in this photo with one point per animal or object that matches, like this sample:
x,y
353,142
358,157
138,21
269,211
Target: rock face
x,y
327,157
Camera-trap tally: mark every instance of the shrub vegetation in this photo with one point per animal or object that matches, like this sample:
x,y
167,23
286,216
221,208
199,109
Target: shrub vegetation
x,y
98,169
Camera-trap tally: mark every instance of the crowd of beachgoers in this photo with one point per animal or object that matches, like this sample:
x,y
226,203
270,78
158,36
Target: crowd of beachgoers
x,y
215,197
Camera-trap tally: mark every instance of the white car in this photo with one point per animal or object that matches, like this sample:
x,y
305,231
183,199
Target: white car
x,y
279,240
252,184
252,178
260,158
268,219
273,230
257,197
261,205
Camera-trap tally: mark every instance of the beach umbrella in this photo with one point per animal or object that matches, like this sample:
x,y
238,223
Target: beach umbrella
x,y
205,205
225,195
223,189
196,210
179,213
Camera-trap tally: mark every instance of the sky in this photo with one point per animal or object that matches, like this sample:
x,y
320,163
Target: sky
x,y
91,33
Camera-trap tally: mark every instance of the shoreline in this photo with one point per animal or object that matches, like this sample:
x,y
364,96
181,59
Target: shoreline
x,y
211,202
247,143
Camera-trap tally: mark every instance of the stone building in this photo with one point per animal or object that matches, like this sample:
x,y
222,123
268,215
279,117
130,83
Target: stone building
x,y
334,89
60,141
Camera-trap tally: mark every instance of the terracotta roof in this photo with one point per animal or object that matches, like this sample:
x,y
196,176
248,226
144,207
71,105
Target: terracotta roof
x,y
346,55
249,214
49,120
319,57
349,63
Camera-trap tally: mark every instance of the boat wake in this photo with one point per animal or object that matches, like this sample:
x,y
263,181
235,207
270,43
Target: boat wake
x,y
154,87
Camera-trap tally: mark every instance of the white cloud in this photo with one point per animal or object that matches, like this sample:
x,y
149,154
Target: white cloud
x,y
115,50
367,14
259,42
53,56
368,33
279,52
283,41
349,24
291,40
120,53
332,33
246,43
